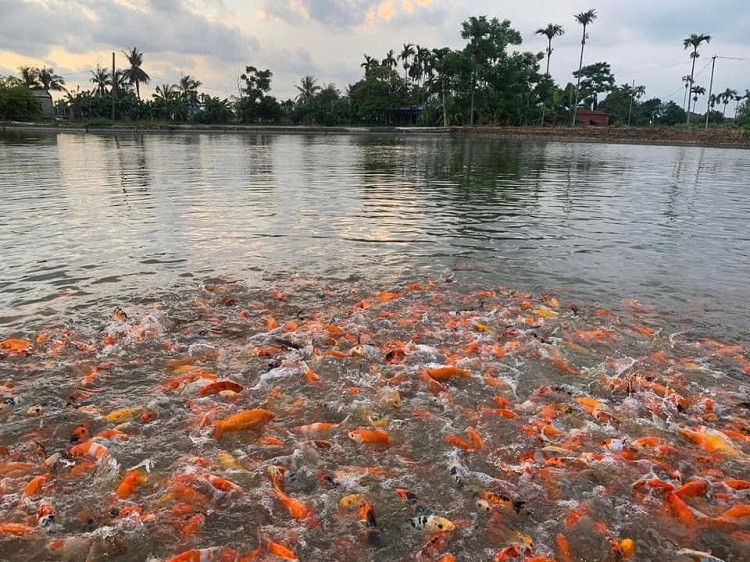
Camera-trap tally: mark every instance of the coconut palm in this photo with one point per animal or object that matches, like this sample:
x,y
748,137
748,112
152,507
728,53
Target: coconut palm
x,y
50,81
738,98
165,92
408,51
135,74
551,31
30,77
307,89
188,89
101,79
694,41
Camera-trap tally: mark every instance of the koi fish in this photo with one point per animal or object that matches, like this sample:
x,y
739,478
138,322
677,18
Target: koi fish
x,y
124,415
220,386
296,509
317,429
89,449
249,419
281,551
16,346
697,555
213,554
445,372
711,440
45,515
130,483
364,436
34,487
432,524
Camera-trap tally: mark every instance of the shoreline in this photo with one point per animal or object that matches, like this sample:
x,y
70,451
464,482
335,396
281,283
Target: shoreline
x,y
662,136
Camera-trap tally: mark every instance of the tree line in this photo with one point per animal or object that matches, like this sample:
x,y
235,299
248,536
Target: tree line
x,y
486,82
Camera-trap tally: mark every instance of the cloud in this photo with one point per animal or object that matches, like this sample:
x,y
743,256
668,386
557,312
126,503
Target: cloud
x,y
343,13
33,27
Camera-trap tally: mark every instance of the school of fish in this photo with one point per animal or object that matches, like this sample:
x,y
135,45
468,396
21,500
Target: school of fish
x,y
424,422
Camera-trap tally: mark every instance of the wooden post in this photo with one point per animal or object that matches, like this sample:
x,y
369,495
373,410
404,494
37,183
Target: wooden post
x,y
114,85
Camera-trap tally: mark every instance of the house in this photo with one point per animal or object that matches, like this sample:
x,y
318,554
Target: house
x,y
405,115
593,117
45,100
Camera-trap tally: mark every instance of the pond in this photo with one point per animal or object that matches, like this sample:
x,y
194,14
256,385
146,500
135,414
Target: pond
x,y
511,348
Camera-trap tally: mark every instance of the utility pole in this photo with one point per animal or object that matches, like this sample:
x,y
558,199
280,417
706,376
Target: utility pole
x,y
710,89
632,95
114,85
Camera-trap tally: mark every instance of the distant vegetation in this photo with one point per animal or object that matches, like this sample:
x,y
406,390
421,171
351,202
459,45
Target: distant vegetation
x,y
487,82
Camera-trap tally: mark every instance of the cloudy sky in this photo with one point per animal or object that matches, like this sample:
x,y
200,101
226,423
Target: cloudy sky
x,y
213,40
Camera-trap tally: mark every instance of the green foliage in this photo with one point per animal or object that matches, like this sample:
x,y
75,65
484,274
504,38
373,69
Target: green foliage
x,y
255,105
371,98
17,103
671,114
595,79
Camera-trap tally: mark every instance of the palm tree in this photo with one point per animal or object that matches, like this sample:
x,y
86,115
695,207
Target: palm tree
x,y
408,51
551,31
685,79
30,77
135,74
727,96
101,79
738,98
50,81
119,82
694,41
307,89
697,91
369,64
390,60
165,92
188,89
584,18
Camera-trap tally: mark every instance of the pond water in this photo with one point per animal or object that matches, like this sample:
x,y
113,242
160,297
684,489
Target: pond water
x,y
546,341
109,219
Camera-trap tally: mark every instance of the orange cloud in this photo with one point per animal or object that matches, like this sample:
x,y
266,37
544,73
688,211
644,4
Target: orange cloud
x,y
388,9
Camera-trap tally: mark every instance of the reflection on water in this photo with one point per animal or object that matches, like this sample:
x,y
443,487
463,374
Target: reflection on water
x,y
92,221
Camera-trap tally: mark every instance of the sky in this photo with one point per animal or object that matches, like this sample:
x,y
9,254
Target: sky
x,y
213,40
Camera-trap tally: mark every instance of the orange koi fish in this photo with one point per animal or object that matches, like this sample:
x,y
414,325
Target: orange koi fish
x,y
271,323
89,449
222,483
281,551
16,346
445,372
220,386
17,529
315,430
34,487
711,440
364,436
296,509
249,419
124,415
213,554
130,483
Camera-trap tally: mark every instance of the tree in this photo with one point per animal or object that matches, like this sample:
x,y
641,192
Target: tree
x,y
135,74
101,79
17,103
551,31
30,77
381,90
48,80
671,114
390,60
187,89
486,53
697,91
593,80
406,52
307,89
694,41
255,104
585,19
369,64
726,96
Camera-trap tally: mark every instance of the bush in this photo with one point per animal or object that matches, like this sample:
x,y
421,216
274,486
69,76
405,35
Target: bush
x,y
17,103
